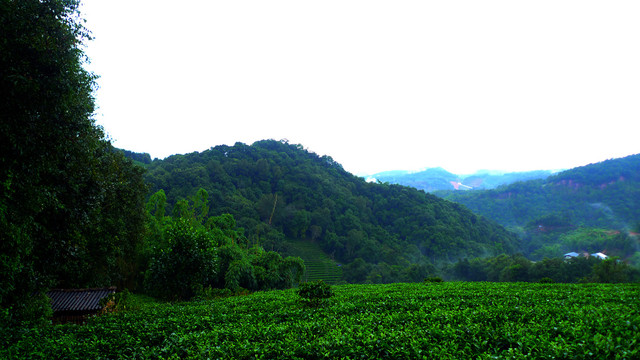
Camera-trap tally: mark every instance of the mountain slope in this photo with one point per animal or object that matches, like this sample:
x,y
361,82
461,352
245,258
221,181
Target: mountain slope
x,y
604,194
277,190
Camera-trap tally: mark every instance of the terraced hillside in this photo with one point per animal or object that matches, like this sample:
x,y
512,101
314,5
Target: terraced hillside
x,y
319,266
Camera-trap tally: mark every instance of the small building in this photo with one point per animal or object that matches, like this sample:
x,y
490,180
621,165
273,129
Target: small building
x,y
571,255
76,305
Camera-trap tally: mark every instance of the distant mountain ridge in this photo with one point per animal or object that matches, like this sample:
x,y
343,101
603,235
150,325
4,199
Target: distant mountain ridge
x,y
434,179
592,208
604,194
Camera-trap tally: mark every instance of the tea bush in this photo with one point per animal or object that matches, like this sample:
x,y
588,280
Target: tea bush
x,y
453,320
315,293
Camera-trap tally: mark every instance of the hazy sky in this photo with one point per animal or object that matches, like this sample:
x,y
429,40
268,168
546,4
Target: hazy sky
x,y
377,85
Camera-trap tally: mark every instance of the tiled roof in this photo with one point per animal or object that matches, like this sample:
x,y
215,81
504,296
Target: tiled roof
x,y
78,299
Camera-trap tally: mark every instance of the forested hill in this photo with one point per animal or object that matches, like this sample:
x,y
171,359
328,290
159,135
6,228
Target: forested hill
x,y
604,195
279,191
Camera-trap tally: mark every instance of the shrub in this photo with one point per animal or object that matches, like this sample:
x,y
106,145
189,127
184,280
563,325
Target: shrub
x,y
120,301
315,293
210,293
34,310
433,279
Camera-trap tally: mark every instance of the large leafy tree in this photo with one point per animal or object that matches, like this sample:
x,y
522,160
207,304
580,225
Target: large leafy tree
x,y
190,253
71,208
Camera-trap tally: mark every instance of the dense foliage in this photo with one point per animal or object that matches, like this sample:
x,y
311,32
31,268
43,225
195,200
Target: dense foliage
x,y
398,321
141,158
315,293
71,208
186,264
278,191
518,268
582,240
191,253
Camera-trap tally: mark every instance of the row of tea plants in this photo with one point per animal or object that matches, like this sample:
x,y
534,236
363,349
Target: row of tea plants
x,y
431,320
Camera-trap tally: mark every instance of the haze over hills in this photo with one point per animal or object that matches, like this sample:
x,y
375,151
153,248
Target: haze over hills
x,y
433,179
603,194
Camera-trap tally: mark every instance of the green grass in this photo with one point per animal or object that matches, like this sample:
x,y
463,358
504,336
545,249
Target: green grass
x,y
417,321
319,266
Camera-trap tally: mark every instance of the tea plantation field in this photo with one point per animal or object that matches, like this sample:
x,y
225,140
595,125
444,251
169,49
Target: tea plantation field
x,y
419,321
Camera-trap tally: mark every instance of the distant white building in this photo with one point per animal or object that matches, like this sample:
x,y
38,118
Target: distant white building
x,y
600,256
571,255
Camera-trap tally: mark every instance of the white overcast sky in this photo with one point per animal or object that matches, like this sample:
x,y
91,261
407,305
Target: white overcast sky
x,y
377,85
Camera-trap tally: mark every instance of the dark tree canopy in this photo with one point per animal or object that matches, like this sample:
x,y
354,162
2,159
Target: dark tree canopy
x,y
71,208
